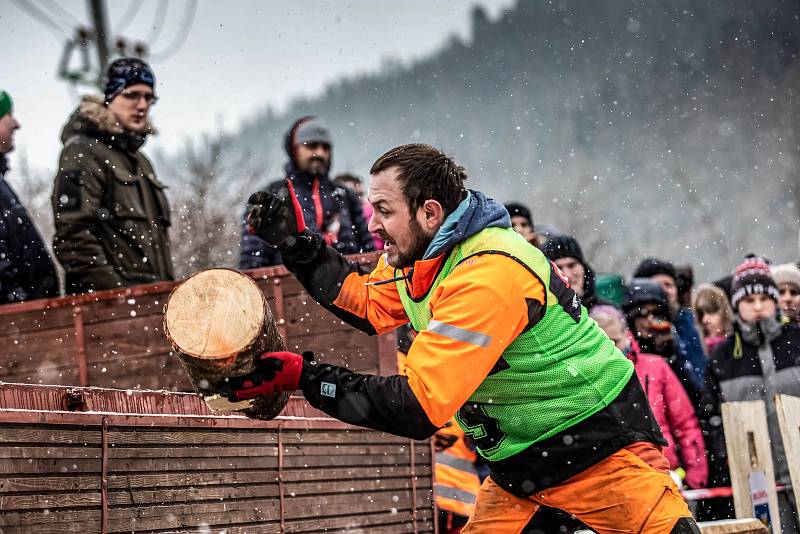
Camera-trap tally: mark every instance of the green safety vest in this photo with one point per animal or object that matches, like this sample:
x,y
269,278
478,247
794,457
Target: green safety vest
x,y
560,372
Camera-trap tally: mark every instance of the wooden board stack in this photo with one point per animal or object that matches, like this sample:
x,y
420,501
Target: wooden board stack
x,y
161,462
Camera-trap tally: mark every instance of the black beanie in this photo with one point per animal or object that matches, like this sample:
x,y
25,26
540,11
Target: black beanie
x,y
644,291
125,72
650,267
518,210
563,246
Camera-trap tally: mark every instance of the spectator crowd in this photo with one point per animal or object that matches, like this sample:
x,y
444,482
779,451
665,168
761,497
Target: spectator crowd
x,y
693,348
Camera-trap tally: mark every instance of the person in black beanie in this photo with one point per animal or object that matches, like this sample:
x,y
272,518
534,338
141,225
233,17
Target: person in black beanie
x,y
111,212
758,360
522,222
665,274
566,253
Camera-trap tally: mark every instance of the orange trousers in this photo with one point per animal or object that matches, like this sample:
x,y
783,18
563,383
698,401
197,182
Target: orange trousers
x,y
628,492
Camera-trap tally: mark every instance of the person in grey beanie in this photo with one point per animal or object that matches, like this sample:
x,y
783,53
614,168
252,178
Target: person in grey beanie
x,y
328,207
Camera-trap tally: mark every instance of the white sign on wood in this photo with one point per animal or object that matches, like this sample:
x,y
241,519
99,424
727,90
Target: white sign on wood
x,y
747,441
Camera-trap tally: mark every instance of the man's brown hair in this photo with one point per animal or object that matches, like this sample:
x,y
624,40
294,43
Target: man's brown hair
x,y
425,173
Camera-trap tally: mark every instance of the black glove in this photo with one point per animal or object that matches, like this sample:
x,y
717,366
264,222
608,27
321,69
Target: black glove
x,y
276,220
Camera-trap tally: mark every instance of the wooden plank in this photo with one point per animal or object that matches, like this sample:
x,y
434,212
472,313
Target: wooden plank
x,y
212,452
36,434
157,436
125,308
57,376
47,518
747,441
362,523
57,528
733,526
52,347
150,480
24,452
142,372
247,462
400,520
50,501
788,408
52,466
14,324
40,482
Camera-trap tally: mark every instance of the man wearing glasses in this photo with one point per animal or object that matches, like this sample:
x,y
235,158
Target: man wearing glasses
x,y
333,210
111,213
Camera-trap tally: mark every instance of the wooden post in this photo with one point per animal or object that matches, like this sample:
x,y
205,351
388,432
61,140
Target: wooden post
x,y
219,323
788,408
80,345
747,440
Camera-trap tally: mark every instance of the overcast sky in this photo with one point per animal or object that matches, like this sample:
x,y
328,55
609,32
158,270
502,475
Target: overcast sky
x,y
239,56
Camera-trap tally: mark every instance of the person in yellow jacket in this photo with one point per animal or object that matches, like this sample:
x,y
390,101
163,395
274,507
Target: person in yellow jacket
x,y
455,472
503,344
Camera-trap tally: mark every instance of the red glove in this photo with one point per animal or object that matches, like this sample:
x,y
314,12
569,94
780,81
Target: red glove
x,y
275,372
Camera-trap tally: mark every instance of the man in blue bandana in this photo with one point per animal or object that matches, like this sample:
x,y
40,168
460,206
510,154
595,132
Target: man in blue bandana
x,y
111,213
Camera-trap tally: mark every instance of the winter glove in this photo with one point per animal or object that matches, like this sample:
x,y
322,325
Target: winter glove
x,y
276,220
275,372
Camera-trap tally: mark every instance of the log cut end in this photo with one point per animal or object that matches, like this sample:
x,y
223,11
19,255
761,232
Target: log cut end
x,y
215,314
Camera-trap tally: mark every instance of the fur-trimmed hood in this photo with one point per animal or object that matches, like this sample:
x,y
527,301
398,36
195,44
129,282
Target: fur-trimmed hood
x,y
94,119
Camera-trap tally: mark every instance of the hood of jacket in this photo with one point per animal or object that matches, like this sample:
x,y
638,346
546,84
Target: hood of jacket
x,y
93,119
3,165
472,215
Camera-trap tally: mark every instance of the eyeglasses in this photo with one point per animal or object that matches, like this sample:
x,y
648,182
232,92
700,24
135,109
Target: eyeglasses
x,y
135,96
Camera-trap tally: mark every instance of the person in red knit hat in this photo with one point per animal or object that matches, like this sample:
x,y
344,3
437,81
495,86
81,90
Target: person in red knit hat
x,y
758,360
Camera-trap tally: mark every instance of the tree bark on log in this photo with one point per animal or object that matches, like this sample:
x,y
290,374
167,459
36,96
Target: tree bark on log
x,y
218,322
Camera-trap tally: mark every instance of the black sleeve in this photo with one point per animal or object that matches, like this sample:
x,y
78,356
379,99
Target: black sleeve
x,y
11,290
711,425
254,252
381,403
322,270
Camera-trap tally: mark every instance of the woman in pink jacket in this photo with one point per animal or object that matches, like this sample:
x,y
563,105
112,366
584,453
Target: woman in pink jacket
x,y
668,400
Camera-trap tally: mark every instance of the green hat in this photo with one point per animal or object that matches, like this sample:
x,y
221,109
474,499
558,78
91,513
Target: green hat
x,y
6,105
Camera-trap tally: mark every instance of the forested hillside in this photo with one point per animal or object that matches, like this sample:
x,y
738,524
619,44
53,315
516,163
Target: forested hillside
x,y
645,128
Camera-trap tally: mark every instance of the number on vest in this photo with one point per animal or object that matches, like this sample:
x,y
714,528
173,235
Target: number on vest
x,y
480,427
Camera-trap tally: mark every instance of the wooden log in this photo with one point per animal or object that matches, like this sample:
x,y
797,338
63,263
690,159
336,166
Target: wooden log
x,y
218,322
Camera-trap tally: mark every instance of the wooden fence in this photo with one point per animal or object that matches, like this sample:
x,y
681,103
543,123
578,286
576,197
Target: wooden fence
x,y
115,338
97,460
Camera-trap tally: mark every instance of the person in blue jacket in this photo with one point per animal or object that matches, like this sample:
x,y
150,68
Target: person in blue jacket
x,y
26,268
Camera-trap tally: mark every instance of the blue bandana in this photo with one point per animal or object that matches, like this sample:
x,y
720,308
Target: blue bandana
x,y
126,72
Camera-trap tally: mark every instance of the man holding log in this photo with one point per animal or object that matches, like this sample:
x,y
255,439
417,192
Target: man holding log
x,y
503,343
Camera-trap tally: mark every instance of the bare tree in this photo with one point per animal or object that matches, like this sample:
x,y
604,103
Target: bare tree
x,y
208,203
33,189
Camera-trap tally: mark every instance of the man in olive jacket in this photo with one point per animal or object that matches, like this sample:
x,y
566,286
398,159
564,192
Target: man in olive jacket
x,y
111,214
